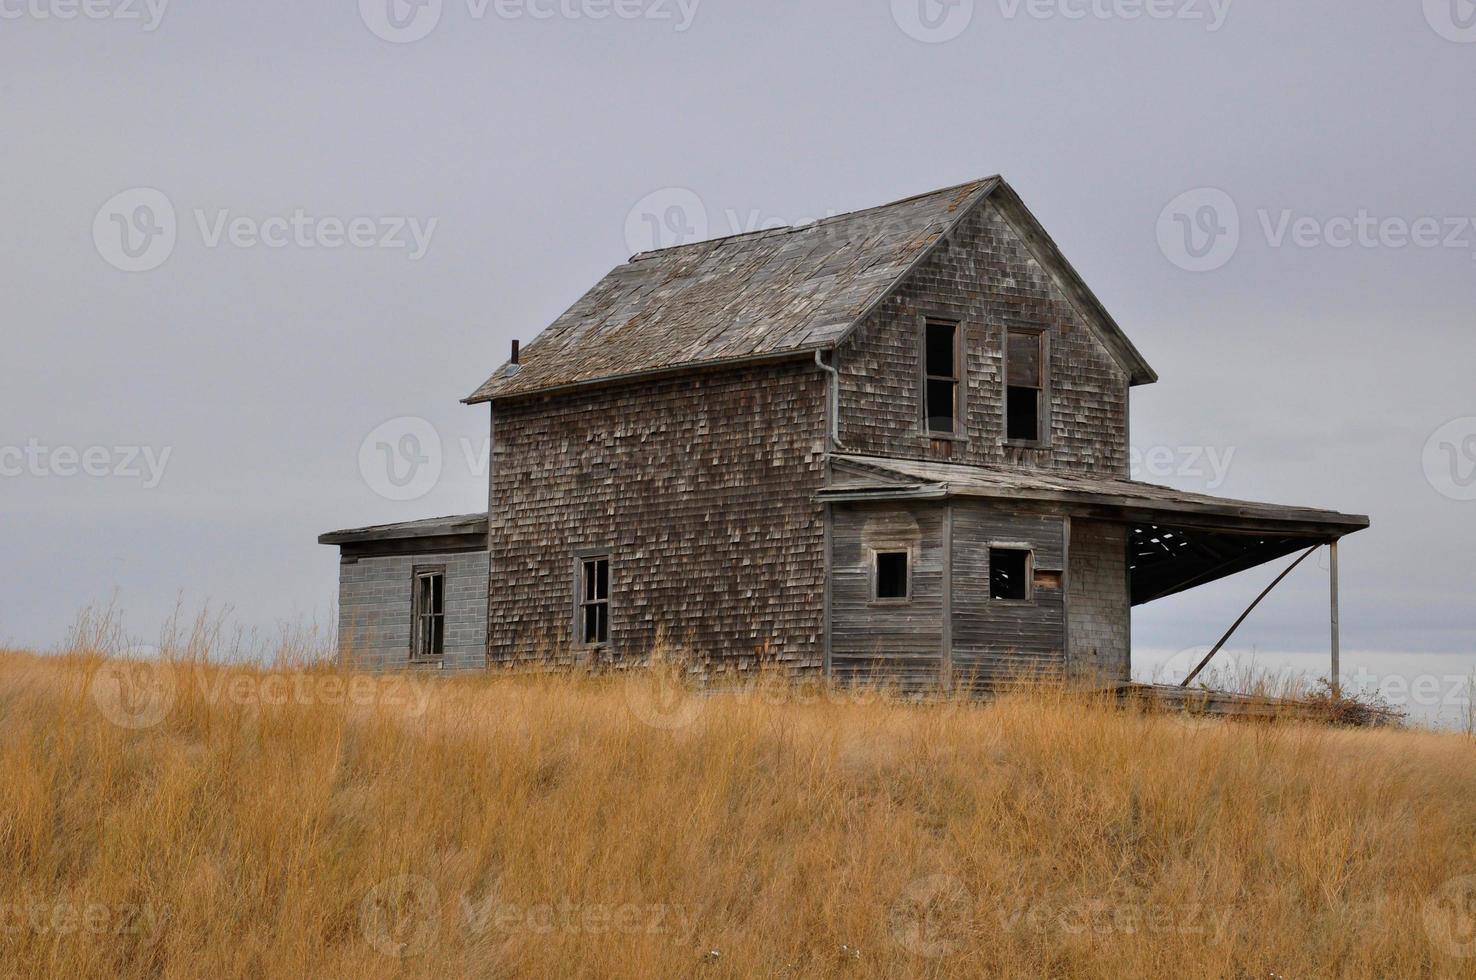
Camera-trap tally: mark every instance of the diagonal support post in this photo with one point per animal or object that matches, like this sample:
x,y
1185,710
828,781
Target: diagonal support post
x,y
1249,609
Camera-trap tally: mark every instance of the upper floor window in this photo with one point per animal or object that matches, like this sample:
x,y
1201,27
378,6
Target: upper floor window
x,y
1025,386
941,376
428,614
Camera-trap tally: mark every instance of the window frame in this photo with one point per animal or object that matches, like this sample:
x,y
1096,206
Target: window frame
x,y
959,379
581,602
1029,551
875,579
419,573
1042,393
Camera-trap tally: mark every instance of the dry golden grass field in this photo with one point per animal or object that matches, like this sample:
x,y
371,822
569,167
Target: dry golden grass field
x,y
194,820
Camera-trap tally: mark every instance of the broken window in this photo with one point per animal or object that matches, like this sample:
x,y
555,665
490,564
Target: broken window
x,y
1009,573
594,600
891,575
1024,385
428,614
941,377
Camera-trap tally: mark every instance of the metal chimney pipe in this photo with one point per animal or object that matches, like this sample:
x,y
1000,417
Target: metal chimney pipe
x,y
515,352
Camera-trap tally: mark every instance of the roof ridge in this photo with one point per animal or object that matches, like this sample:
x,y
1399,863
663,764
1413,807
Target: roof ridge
x,y
828,219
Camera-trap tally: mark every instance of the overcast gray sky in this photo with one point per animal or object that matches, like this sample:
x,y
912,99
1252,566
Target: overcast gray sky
x,y
1324,346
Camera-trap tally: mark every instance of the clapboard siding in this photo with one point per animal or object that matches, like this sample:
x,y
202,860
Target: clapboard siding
x,y
889,643
995,640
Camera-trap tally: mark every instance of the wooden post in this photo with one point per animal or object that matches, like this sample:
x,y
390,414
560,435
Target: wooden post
x,y
1332,567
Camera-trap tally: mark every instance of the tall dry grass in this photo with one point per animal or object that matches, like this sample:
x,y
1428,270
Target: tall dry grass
x,y
189,819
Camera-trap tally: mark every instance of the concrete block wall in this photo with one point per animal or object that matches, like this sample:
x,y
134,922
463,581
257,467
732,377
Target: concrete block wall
x,y
1099,611
374,606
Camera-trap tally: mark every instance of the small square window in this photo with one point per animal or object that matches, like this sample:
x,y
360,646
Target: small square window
x,y
891,575
1009,573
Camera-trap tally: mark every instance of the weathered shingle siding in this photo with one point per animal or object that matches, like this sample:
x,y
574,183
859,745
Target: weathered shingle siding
x,y
703,488
985,277
1100,611
374,603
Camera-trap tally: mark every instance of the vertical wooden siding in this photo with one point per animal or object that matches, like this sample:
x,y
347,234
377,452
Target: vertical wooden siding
x,y
891,643
996,639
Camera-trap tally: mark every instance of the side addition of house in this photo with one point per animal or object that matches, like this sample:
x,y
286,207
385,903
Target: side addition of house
x,y
891,445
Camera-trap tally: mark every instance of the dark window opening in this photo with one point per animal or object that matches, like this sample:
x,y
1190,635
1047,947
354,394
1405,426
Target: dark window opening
x,y
891,575
1023,412
594,600
428,614
941,374
1025,385
1009,573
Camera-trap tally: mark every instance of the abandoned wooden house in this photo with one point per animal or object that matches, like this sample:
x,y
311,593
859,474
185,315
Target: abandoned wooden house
x,y
891,444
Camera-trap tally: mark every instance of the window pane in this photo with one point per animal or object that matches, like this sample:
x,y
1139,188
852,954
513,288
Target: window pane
x,y
891,575
1007,571
602,621
588,592
438,636
1024,359
941,409
438,594
941,349
591,624
1023,411
602,578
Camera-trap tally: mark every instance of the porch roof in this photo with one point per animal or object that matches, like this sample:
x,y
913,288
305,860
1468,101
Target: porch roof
x,y
1177,540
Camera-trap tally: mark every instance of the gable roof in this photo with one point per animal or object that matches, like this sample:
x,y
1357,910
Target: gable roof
x,y
768,294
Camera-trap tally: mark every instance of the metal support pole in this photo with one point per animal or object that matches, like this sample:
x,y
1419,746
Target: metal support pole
x,y
1250,609
1332,566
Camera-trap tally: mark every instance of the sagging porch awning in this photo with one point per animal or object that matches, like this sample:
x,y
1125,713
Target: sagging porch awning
x,y
1178,540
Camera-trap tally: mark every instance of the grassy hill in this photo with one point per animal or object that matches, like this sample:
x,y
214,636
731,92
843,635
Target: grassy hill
x,y
195,820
